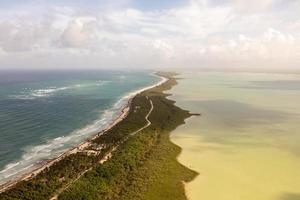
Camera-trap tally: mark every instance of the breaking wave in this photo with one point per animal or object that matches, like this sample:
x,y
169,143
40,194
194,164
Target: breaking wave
x,y
55,147
49,91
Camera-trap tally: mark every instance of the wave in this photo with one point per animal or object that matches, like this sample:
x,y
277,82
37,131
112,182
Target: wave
x,y
49,91
55,147
101,82
33,94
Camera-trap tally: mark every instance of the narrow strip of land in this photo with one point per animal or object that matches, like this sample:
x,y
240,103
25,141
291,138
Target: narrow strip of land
x,y
133,159
108,155
37,169
146,118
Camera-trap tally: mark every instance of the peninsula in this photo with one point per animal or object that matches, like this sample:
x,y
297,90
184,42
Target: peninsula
x,y
132,159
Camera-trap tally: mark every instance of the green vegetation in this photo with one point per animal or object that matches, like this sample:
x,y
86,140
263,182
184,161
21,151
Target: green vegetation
x,y
143,166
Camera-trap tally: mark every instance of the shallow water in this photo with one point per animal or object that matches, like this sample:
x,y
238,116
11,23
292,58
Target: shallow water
x,y
246,143
43,113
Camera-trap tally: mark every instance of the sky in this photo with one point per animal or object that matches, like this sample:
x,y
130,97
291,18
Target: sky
x,y
241,35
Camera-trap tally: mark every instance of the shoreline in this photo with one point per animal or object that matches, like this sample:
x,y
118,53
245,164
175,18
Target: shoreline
x,y
172,140
37,168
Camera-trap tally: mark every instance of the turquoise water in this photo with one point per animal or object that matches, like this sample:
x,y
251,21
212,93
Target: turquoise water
x,y
43,113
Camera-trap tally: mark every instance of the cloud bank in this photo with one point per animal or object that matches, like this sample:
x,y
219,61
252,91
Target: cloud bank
x,y
201,34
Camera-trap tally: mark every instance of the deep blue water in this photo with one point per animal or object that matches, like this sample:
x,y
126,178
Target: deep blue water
x,y
43,113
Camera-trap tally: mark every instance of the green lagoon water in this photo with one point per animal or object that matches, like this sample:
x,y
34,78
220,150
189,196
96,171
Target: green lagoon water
x,y
246,143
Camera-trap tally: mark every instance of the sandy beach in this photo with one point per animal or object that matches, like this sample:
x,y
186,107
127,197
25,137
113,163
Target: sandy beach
x,y
39,167
36,169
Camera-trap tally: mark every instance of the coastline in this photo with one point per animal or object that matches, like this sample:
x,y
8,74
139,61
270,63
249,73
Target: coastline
x,y
172,138
173,135
39,167
145,165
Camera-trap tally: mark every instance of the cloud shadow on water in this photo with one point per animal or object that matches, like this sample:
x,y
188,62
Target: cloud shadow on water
x,y
290,196
237,114
234,123
273,85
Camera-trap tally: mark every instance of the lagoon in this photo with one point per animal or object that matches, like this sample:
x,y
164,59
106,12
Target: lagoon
x,y
245,144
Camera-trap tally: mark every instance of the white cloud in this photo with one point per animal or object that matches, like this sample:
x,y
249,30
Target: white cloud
x,y
200,34
79,32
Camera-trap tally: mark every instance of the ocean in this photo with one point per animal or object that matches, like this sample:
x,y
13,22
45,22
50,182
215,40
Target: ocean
x,y
44,113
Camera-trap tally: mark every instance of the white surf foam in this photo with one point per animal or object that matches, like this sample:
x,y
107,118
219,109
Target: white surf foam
x,y
38,93
56,146
47,92
28,93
